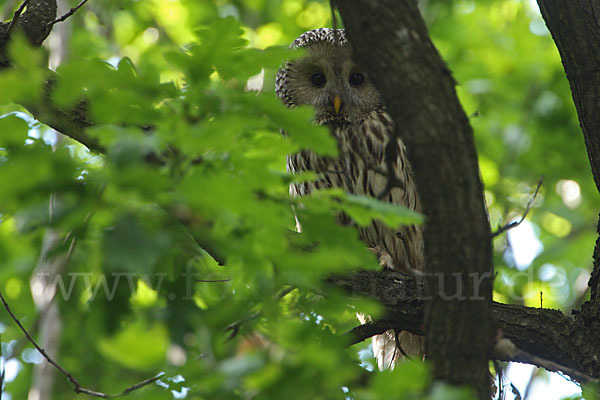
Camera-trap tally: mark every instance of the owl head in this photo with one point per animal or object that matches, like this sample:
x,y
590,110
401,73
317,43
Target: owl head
x,y
328,79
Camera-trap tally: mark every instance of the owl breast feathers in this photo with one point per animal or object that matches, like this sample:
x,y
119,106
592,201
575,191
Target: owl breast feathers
x,y
347,102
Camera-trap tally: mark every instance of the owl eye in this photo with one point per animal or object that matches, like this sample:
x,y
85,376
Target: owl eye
x,y
318,80
356,79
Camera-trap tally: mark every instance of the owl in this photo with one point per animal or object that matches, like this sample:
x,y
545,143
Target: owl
x,y
347,102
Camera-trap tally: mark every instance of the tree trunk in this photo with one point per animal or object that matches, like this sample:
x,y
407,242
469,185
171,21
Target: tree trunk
x,y
392,45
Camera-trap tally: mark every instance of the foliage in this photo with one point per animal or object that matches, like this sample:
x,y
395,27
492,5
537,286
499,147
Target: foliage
x,y
167,78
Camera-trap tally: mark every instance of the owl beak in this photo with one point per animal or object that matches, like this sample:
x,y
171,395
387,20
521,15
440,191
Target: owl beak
x,y
337,103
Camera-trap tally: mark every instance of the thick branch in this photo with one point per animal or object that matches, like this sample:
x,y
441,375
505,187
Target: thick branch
x,y
548,334
576,32
418,90
36,22
33,23
71,123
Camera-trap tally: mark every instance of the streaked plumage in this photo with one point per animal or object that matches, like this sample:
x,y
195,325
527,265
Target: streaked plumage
x,y
349,104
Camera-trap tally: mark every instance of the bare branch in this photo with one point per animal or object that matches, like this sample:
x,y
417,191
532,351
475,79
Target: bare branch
x,y
77,388
139,385
68,14
16,16
514,224
234,327
42,351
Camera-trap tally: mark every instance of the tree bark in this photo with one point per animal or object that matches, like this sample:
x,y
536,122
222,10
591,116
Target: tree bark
x,y
392,45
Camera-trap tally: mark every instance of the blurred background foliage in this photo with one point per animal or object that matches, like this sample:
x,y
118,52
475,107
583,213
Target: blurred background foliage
x,y
115,233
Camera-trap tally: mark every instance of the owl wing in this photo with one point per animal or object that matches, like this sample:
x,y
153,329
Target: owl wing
x,y
362,150
400,248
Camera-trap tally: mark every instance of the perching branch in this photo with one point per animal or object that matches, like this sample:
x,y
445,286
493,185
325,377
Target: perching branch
x,y
77,387
365,331
505,350
548,334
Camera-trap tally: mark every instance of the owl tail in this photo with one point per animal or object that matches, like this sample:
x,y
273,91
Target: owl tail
x,y
389,348
388,351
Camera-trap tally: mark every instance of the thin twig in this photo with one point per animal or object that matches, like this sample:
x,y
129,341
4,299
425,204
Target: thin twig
x,y
284,292
514,224
138,385
212,280
500,374
16,16
515,391
399,347
234,327
42,351
68,14
529,385
77,386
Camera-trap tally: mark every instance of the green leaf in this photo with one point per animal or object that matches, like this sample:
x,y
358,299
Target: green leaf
x,y
297,123
591,391
14,131
79,80
406,381
137,346
131,246
441,391
364,209
24,82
